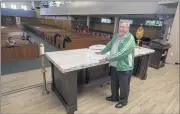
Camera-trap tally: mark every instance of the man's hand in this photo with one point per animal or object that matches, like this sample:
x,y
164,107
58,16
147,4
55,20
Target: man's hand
x,y
98,53
102,60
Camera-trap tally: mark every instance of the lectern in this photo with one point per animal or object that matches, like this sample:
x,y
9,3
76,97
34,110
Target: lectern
x,y
158,58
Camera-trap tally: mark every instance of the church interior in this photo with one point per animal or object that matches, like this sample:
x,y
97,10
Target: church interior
x,y
44,43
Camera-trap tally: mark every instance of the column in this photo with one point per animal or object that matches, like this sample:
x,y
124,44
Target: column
x,y
167,29
33,5
173,53
88,22
116,24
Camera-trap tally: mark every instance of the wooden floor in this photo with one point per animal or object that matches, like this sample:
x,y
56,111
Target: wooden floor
x,y
23,80
158,94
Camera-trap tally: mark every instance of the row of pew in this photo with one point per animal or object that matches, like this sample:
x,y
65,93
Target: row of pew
x,y
78,39
22,49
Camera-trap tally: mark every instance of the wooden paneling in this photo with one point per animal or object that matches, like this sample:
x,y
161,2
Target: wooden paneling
x,y
50,22
59,23
10,29
17,40
34,21
31,21
8,20
67,25
64,24
24,20
149,32
102,27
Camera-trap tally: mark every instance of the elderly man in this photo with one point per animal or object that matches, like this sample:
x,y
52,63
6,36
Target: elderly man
x,y
121,61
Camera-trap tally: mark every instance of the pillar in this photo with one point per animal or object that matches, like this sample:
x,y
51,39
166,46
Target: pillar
x,y
88,22
174,38
33,5
116,24
167,29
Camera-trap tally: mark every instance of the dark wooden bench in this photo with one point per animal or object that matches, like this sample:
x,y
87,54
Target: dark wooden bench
x,y
84,44
18,51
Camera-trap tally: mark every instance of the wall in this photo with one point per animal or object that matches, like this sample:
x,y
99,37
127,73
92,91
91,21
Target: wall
x,y
90,8
61,21
18,11
57,17
173,54
150,32
18,4
167,1
8,20
102,27
166,8
95,24
78,19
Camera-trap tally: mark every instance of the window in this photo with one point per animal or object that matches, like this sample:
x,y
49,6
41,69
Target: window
x,y
56,3
3,5
13,6
23,7
103,20
154,23
51,4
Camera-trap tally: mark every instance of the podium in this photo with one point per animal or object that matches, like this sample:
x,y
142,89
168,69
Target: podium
x,y
158,58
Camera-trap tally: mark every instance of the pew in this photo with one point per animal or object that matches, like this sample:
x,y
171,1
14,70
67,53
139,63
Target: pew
x,y
84,41
79,40
47,33
83,44
18,51
7,29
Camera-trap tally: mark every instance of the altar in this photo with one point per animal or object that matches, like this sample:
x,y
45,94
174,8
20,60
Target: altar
x,y
72,69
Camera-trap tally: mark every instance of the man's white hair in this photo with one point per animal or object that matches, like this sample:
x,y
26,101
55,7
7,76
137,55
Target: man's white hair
x,y
124,21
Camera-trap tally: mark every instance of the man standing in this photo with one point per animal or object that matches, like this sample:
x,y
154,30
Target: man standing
x,y
121,61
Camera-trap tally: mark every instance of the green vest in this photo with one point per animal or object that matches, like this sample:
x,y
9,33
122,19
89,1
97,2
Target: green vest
x,y
125,54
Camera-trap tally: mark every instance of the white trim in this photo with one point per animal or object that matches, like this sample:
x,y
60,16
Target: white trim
x,y
130,59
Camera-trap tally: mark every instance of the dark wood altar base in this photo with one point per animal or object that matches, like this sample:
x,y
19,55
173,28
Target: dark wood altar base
x,y
67,85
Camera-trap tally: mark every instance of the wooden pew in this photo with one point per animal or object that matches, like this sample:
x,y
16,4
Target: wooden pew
x,y
79,40
84,44
26,51
46,32
20,50
14,35
8,29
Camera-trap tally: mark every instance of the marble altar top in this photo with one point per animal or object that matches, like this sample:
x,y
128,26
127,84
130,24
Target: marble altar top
x,y
71,60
